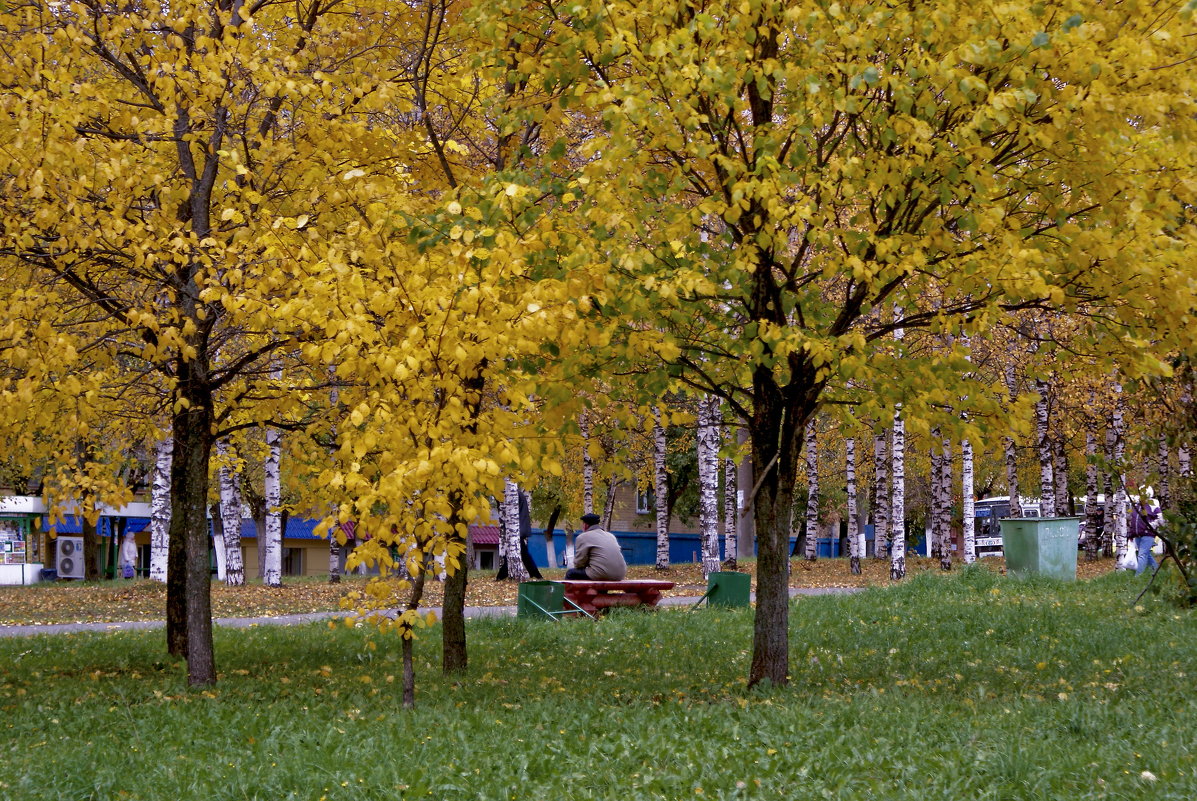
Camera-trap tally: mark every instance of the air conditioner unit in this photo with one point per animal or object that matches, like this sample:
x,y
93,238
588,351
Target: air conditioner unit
x,y
70,557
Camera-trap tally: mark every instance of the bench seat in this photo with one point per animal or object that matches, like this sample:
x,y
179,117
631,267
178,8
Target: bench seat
x,y
594,596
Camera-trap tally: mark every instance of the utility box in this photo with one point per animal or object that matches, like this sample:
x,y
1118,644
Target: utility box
x,y
1040,546
539,598
728,588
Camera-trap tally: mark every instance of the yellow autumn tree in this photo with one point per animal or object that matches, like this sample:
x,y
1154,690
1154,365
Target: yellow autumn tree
x,y
165,166
778,187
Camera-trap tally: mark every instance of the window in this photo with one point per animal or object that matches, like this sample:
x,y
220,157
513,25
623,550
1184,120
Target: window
x,y
292,561
646,502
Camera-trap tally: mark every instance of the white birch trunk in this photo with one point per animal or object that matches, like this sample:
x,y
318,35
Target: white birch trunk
x,y
897,554
945,507
511,531
160,509
1060,476
1184,460
569,545
1047,487
334,544
661,490
272,495
1092,490
707,443
609,504
881,496
968,531
731,544
1164,472
1011,449
935,479
218,549
811,446
1124,555
230,517
1109,530
587,465
855,535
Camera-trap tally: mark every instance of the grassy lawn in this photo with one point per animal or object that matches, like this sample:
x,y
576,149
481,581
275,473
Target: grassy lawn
x,y
120,600
973,686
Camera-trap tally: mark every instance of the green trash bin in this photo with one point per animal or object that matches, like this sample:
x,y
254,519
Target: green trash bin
x,y
536,598
728,589
1040,546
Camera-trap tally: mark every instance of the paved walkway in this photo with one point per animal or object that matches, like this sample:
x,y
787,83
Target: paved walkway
x,y
293,620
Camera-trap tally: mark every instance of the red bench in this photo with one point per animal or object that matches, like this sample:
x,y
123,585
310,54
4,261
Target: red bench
x,y
595,596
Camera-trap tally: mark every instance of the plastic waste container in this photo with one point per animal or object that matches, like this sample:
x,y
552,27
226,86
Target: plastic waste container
x,y
728,588
536,598
1040,546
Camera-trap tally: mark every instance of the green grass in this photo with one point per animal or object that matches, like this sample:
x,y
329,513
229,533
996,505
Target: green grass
x,y
974,687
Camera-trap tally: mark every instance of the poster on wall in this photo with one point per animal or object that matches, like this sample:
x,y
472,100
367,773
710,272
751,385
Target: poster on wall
x,y
12,543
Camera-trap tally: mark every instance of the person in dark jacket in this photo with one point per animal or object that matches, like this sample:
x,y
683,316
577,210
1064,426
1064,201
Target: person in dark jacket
x,y
1143,518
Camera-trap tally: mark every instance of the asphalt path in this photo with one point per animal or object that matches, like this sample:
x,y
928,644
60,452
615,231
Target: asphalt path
x,y
297,620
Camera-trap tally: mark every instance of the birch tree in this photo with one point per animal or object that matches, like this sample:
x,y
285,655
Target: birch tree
x,y
1043,445
272,496
731,545
1124,556
661,490
1093,515
160,510
855,535
881,495
810,447
510,510
231,512
1011,449
708,482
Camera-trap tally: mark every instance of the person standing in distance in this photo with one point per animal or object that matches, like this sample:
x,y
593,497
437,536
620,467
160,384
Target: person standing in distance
x,y
597,556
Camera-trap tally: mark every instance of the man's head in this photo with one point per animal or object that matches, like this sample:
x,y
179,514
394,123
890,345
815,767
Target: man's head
x,y
590,520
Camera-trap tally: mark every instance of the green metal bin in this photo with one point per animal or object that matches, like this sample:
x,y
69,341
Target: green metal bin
x,y
727,588
1040,546
536,598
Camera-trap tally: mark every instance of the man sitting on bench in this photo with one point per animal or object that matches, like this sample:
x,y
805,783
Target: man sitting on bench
x,y
597,556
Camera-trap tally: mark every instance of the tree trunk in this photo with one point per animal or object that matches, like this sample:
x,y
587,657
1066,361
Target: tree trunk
x,y
897,556
855,538
707,442
661,490
409,668
272,495
453,634
1047,487
192,427
731,545
550,547
1164,474
1124,556
1109,532
810,450
231,512
160,509
91,542
217,525
775,432
1011,449
945,507
1092,489
1064,502
511,531
881,496
587,465
935,479
968,523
